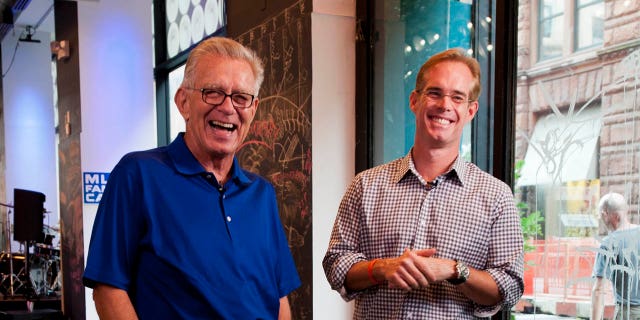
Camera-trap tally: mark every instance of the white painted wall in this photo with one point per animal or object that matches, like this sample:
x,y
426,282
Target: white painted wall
x,y
333,135
117,90
30,140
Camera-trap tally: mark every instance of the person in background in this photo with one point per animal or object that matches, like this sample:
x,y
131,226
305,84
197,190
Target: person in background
x,y
429,236
182,231
617,261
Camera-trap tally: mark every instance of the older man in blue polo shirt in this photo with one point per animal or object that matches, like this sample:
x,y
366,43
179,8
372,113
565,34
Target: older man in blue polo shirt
x,y
182,231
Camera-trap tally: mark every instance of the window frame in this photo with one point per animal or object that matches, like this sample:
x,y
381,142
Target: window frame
x,y
540,20
165,65
493,125
576,24
570,23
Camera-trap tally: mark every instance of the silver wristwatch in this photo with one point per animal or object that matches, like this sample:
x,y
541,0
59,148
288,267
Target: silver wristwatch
x,y
462,273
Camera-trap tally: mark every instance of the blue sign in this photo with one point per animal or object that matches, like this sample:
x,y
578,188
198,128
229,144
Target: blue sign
x,y
94,183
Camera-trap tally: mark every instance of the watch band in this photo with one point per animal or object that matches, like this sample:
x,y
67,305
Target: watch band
x,y
462,273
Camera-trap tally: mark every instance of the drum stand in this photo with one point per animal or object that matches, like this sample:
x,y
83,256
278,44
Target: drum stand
x,y
7,243
30,288
25,271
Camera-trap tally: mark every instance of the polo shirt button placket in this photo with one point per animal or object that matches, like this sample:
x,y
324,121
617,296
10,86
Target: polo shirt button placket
x,y
224,196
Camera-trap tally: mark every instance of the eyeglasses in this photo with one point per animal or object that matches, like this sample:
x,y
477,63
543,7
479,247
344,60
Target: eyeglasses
x,y
215,97
438,95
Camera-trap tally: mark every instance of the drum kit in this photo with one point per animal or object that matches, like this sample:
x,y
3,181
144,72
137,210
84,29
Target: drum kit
x,y
35,269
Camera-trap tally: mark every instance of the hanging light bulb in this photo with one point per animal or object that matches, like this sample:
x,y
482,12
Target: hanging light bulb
x,y
418,43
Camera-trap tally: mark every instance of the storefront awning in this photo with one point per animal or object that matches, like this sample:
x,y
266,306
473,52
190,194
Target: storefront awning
x,y
562,148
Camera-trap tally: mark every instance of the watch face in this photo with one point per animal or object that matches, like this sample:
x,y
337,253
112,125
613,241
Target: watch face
x,y
463,271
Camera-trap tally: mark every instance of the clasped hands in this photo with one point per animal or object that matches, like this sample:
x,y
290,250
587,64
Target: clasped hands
x,y
414,269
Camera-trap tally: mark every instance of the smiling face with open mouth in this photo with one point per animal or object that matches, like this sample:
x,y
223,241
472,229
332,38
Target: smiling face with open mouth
x,y
442,108
215,132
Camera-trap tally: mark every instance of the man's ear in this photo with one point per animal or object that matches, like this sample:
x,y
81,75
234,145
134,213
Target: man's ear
x,y
182,103
413,101
473,109
254,109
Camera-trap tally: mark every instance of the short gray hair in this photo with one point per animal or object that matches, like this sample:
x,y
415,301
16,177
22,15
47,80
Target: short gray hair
x,y
227,48
613,203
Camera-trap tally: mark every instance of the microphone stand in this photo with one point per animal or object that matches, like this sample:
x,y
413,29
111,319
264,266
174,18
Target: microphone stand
x,y
7,239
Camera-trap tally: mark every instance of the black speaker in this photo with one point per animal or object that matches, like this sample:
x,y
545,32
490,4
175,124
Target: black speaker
x,y
28,215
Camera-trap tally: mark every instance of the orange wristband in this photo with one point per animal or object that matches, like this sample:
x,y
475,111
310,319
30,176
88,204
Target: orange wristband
x,y
370,269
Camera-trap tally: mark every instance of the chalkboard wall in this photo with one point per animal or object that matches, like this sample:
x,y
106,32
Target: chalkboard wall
x,y
278,146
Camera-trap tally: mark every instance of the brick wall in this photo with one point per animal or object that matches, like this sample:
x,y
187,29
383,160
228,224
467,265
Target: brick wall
x,y
578,78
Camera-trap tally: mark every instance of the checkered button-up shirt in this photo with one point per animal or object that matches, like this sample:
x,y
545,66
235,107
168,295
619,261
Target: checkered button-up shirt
x,y
466,214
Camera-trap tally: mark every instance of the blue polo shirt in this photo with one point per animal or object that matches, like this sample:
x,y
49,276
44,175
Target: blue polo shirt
x,y
185,248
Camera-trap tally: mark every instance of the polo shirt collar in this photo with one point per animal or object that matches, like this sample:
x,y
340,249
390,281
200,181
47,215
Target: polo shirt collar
x,y
407,166
187,164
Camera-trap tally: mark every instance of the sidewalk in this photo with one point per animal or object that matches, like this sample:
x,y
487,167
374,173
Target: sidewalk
x,y
552,307
541,317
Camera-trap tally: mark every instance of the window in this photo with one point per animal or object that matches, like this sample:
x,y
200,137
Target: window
x,y
550,29
560,21
406,41
395,38
589,23
176,122
178,27
576,140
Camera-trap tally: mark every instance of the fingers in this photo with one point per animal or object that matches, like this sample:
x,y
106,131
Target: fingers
x,y
413,267
425,252
406,272
401,279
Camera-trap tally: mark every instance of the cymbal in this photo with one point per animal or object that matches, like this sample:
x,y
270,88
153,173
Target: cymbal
x,y
15,255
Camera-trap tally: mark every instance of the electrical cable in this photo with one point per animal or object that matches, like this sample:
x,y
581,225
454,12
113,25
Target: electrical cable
x,y
30,30
12,59
44,16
